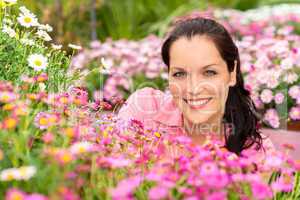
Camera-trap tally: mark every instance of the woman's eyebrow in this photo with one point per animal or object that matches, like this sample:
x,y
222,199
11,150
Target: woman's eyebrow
x,y
204,67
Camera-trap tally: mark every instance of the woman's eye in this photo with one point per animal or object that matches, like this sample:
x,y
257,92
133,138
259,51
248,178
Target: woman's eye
x,y
179,74
210,72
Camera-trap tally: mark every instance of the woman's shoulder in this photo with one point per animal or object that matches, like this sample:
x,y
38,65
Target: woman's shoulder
x,y
142,103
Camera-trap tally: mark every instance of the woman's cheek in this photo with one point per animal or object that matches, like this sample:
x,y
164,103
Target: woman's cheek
x,y
222,96
176,89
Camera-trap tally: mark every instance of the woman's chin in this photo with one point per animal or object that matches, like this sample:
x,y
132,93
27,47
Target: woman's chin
x,y
196,119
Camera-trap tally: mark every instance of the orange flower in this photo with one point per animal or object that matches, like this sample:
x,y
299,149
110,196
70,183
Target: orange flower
x,y
9,123
65,156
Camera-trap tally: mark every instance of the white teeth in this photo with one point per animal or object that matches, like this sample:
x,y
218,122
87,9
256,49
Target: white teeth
x,y
198,102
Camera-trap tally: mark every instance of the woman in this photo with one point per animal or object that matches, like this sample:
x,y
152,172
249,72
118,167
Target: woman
x,y
206,90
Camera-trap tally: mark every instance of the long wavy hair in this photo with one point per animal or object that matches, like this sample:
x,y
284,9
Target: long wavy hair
x,y
240,111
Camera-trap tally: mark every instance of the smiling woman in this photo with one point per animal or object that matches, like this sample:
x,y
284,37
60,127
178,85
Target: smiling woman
x,y
207,93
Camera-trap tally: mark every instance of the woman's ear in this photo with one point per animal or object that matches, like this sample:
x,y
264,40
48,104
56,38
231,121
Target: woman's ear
x,y
233,75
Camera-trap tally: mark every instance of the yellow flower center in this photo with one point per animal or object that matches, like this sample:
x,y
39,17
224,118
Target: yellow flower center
x,y
63,100
105,134
52,119
81,149
8,106
43,121
69,132
66,158
17,196
10,123
10,176
27,20
5,98
38,63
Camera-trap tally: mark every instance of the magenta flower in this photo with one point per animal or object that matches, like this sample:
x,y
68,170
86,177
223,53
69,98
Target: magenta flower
x,y
14,193
208,168
261,190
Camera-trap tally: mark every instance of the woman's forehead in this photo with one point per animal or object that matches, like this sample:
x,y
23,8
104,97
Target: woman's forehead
x,y
196,49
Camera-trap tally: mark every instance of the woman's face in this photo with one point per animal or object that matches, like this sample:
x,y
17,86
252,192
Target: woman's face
x,y
199,79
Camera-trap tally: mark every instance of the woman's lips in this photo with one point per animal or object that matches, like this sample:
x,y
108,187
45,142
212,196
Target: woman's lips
x,y
199,103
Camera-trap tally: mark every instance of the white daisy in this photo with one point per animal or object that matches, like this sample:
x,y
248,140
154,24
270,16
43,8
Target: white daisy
x,y
46,27
56,46
73,46
43,35
37,62
22,173
106,66
24,10
28,42
9,174
11,32
26,172
27,20
7,21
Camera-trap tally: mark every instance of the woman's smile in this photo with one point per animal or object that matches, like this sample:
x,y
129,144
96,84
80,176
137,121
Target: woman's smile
x,y
197,103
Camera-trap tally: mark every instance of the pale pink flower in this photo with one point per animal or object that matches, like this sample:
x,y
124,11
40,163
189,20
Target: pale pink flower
x,y
290,77
294,91
295,113
48,137
273,162
271,116
286,63
279,97
266,96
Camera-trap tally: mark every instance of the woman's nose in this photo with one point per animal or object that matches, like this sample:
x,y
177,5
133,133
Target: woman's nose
x,y
194,85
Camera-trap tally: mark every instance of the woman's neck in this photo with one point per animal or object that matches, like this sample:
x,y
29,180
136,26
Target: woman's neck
x,y
200,132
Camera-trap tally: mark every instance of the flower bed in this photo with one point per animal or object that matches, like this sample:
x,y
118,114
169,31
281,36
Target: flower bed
x,y
57,144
